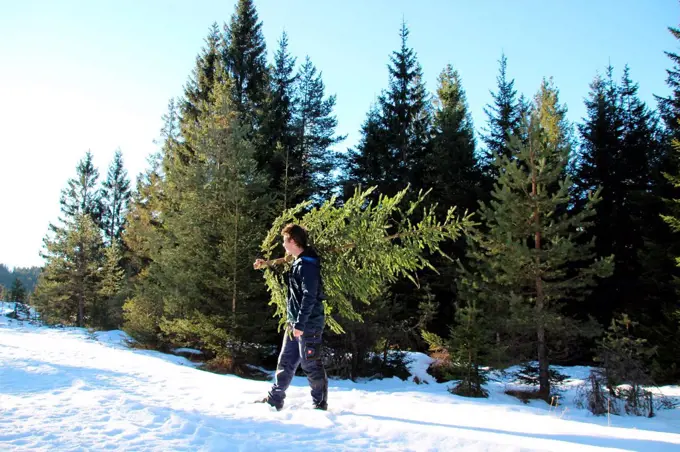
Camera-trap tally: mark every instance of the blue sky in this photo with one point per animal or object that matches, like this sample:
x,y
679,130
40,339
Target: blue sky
x,y
79,75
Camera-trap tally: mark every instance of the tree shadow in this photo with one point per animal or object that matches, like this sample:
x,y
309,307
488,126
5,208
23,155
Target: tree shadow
x,y
582,439
41,376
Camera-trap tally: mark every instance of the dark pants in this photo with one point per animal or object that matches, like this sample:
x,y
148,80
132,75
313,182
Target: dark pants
x,y
306,351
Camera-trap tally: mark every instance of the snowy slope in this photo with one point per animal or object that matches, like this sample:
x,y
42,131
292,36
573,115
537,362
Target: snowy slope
x,y
63,389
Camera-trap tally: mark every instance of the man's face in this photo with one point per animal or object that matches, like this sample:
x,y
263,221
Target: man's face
x,y
289,244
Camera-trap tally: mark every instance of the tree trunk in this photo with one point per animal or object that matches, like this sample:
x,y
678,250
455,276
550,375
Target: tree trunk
x,y
543,370
233,296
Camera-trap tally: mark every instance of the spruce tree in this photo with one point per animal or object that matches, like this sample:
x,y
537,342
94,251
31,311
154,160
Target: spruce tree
x,y
618,146
144,237
314,128
395,138
200,279
623,358
115,197
109,311
245,59
525,261
81,196
68,288
469,345
669,106
17,293
452,170
503,118
363,248
203,77
277,132
454,176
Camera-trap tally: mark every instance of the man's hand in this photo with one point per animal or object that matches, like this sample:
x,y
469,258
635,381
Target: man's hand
x,y
259,263
296,332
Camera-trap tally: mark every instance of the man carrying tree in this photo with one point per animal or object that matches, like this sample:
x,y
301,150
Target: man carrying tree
x,y
305,321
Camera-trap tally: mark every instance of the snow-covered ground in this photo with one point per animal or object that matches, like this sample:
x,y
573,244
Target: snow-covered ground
x,y
65,389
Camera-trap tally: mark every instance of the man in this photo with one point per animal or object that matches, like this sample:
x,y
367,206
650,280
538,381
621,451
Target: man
x,y
304,323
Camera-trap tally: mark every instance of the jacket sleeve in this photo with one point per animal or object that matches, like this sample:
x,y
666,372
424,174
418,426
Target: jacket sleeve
x,y
309,276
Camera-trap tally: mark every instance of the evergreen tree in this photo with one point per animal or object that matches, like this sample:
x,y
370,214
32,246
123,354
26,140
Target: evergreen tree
x,y
17,293
623,357
503,118
454,176
245,59
200,84
5,275
468,346
200,283
144,237
666,329
68,288
525,261
453,172
278,133
619,142
314,128
361,252
81,196
669,106
3,293
368,164
396,133
109,311
115,198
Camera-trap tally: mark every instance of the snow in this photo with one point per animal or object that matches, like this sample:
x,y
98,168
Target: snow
x,y
71,389
190,351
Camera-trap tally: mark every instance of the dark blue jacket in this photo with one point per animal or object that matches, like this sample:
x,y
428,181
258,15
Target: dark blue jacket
x,y
305,293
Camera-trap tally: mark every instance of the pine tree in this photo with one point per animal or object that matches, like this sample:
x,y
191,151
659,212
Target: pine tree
x,y
314,128
115,198
525,261
503,118
396,134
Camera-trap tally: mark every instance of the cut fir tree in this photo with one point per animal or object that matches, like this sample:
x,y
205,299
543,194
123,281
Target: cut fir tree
x,y
363,250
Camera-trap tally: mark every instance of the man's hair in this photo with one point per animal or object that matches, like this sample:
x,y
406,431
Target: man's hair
x,y
297,233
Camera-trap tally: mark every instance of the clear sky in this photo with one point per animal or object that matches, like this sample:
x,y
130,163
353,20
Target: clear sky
x,y
81,74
